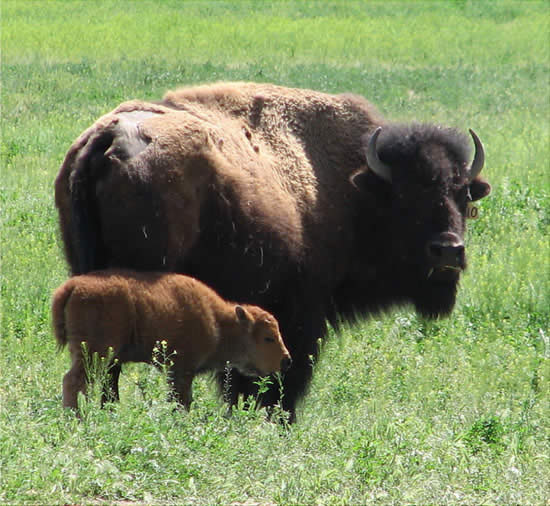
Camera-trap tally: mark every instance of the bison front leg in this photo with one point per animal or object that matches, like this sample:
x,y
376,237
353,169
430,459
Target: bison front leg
x,y
181,384
73,382
302,330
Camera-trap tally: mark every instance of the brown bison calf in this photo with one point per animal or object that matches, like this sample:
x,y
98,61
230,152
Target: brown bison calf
x,y
129,312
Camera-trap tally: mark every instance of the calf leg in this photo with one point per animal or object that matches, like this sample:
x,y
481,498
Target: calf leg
x,y
73,382
110,387
181,384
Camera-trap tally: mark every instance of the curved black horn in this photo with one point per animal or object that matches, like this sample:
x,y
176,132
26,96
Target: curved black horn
x,y
479,157
375,164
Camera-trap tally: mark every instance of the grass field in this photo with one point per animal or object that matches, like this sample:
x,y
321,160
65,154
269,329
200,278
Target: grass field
x,y
401,410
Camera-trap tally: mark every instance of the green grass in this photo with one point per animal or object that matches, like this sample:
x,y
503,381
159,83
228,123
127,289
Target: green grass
x,y
400,409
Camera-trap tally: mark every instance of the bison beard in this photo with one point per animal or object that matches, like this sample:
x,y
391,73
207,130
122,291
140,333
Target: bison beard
x,y
288,199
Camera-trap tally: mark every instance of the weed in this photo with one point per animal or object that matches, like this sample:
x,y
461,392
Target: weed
x,y
485,432
97,369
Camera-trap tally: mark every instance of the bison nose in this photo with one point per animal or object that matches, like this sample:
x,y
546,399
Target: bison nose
x,y
447,250
286,363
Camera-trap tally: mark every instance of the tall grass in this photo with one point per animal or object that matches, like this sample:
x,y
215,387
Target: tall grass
x,y
400,409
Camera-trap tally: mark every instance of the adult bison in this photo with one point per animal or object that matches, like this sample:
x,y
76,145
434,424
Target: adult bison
x,y
304,203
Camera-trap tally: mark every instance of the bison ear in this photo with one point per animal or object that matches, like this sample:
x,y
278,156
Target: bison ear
x,y
479,189
359,179
242,314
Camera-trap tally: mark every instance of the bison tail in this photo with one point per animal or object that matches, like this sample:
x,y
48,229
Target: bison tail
x,y
91,165
59,301
75,190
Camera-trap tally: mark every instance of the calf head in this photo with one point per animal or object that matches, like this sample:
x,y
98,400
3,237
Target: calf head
x,y
420,181
266,352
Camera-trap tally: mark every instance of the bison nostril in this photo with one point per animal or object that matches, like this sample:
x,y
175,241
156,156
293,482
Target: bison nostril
x,y
446,253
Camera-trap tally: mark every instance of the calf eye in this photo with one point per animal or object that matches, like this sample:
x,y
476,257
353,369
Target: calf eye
x,y
269,339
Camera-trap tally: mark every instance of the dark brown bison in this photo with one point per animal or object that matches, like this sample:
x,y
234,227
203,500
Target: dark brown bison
x,y
129,312
304,203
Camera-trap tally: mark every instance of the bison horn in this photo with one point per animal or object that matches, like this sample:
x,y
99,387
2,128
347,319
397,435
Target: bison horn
x,y
479,157
374,163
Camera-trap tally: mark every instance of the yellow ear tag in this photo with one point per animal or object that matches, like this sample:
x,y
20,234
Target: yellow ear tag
x,y
472,211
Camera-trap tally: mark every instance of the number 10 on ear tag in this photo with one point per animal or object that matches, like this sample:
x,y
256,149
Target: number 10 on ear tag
x,y
472,211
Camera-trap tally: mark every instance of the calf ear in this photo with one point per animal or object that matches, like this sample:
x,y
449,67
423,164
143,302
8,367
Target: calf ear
x,y
479,189
242,314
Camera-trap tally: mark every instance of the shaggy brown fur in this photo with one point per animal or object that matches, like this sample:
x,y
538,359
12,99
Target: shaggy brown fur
x,y
129,312
263,192
287,154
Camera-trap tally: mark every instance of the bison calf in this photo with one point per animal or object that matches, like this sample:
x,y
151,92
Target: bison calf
x,y
129,312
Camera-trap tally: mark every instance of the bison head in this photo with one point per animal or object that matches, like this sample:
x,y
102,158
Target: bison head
x,y
418,186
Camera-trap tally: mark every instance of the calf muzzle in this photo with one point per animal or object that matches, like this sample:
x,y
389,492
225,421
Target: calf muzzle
x,y
285,364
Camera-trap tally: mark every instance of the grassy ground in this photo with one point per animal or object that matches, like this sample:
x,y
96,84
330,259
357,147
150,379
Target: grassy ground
x,y
400,409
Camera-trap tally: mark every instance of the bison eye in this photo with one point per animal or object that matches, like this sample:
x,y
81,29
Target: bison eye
x,y
463,194
269,339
